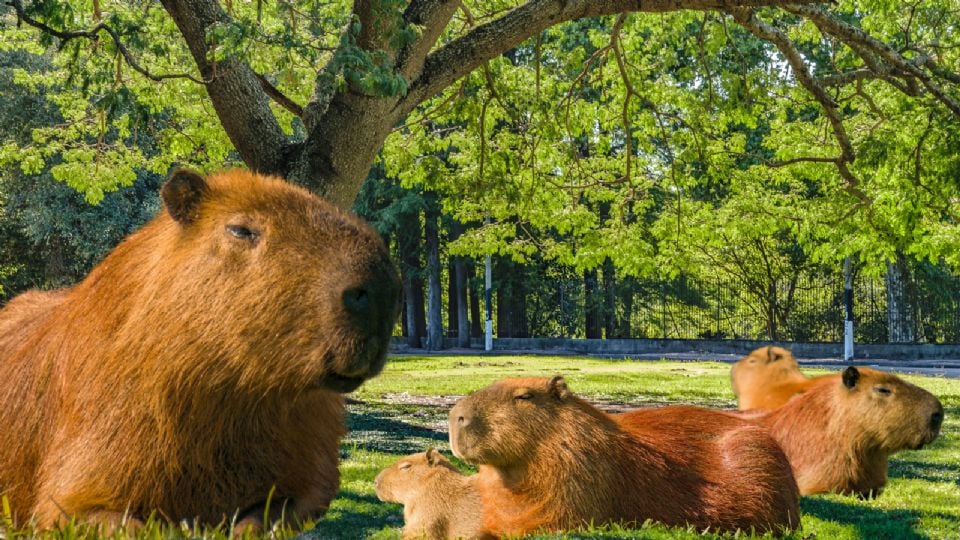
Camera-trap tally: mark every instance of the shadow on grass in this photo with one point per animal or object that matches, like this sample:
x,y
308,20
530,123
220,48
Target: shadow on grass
x,y
869,522
920,470
395,431
356,516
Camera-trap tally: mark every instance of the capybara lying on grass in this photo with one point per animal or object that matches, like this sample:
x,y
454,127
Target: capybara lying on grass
x,y
840,432
199,365
438,500
766,378
549,460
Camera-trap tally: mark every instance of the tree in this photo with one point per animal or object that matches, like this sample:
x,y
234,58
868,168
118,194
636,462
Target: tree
x,y
844,118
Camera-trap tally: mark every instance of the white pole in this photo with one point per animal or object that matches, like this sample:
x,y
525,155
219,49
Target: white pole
x,y
488,285
848,311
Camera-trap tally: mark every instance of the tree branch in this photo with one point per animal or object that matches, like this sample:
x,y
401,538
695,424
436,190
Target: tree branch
x,y
234,89
860,41
279,97
93,34
462,55
431,16
748,19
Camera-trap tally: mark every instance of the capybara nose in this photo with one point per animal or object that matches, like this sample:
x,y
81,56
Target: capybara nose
x,y
936,419
357,300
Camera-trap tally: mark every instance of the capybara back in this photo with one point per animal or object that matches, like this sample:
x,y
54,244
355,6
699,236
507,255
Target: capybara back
x,y
549,460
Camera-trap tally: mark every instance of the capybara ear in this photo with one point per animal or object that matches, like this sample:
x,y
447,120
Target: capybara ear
x,y
850,377
182,194
558,387
771,357
433,456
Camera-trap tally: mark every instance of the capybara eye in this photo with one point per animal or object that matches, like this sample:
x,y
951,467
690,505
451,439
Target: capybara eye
x,y
404,466
525,395
241,232
882,390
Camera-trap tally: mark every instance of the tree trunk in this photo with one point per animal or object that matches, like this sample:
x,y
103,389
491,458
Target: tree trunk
x,y
625,292
476,326
511,299
609,314
453,309
463,324
591,305
411,270
434,321
901,313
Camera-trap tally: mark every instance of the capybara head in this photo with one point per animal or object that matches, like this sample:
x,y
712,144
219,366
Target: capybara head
x,y
253,260
889,413
505,422
763,366
402,481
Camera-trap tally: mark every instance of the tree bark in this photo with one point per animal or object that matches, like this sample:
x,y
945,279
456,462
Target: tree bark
x,y
434,316
476,327
408,243
591,305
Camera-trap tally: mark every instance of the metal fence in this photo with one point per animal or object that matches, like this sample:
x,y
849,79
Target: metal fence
x,y
809,309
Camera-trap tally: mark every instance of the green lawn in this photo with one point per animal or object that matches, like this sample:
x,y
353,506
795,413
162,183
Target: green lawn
x,y
404,410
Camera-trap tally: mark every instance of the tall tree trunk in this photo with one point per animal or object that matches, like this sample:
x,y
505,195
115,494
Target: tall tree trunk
x,y
901,313
463,324
476,327
609,314
453,309
625,290
591,305
411,270
511,299
434,322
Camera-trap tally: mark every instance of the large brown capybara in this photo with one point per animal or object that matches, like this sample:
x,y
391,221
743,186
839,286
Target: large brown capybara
x,y
200,365
438,500
840,432
549,460
766,378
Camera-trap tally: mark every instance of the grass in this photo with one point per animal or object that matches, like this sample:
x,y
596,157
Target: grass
x,y
404,410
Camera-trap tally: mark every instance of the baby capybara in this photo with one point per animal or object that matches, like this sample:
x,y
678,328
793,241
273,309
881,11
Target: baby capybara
x,y
200,365
840,432
549,460
766,378
438,500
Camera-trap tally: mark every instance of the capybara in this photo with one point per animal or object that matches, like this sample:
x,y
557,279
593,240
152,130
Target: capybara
x,y
840,432
438,500
549,460
766,378
200,365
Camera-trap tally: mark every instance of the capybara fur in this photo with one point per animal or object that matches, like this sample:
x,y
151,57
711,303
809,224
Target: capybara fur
x,y
840,432
549,460
438,500
200,365
766,378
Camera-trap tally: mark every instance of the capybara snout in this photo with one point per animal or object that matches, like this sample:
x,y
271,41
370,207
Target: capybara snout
x,y
936,420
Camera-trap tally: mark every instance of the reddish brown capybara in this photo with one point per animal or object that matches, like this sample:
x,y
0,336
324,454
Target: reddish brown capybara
x,y
549,460
766,378
200,365
840,432
438,500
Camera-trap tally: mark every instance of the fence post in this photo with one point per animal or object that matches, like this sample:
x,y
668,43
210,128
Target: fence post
x,y
848,317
